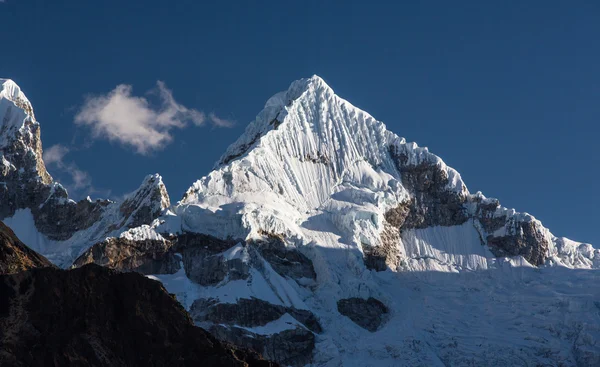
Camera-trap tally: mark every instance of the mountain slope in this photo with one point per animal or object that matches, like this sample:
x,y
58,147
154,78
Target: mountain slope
x,y
15,256
331,185
319,227
95,317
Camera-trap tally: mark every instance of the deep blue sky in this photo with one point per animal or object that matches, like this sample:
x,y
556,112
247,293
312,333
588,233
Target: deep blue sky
x,y
508,94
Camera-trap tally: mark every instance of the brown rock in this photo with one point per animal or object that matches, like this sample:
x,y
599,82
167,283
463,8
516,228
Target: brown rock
x,y
15,256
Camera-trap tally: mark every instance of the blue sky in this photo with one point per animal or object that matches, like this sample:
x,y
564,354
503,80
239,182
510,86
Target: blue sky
x,y
506,93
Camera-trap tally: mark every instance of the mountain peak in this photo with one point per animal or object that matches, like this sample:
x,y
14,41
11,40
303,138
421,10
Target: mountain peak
x,y
12,92
309,107
146,203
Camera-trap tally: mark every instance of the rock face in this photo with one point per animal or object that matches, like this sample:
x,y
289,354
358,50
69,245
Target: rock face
x,y
145,204
23,174
143,256
15,256
367,313
234,322
204,261
95,317
433,202
510,234
291,347
249,312
288,262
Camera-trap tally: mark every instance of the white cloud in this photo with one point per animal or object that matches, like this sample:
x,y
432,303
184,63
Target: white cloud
x,y
133,121
220,122
54,156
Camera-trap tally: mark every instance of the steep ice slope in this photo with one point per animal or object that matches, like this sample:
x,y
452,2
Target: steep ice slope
x,y
311,159
331,183
39,210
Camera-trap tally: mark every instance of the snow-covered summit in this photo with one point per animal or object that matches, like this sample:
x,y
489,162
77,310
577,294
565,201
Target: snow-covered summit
x,y
18,120
306,145
311,154
12,92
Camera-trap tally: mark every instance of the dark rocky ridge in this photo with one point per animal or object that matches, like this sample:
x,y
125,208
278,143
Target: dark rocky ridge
x,y
202,257
94,316
523,237
15,256
142,256
432,204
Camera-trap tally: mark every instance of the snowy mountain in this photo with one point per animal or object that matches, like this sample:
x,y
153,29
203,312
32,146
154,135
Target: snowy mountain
x,y
39,209
321,238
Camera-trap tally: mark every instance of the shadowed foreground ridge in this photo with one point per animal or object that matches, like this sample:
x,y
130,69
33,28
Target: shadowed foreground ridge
x,y
94,316
15,256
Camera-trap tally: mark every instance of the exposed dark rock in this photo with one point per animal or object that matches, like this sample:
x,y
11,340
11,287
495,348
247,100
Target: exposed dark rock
x,y
203,260
289,347
275,122
27,184
396,216
292,347
15,256
486,214
287,262
367,313
23,173
58,217
93,316
523,235
525,239
249,312
433,203
146,204
317,157
239,152
142,256
386,255
202,256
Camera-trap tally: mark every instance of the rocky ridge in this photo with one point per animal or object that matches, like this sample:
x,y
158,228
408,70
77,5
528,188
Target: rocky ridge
x,y
15,256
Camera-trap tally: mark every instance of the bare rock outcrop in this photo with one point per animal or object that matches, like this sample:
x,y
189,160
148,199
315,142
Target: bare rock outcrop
x,y
369,313
230,322
143,256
